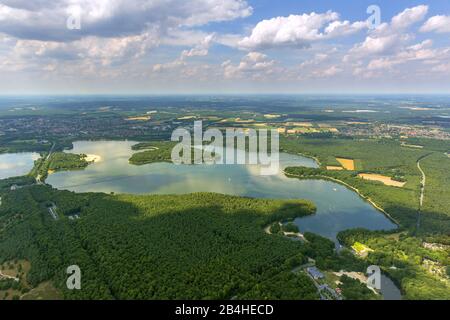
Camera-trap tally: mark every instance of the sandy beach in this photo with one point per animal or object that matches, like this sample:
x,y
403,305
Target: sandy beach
x,y
93,158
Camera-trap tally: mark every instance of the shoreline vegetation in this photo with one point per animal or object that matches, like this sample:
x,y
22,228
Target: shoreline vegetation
x,y
151,152
61,161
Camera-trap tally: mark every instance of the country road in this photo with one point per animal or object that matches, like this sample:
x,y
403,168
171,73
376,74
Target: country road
x,y
8,277
423,183
422,189
50,152
38,177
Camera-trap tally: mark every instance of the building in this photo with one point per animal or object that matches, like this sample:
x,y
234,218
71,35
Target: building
x,y
315,273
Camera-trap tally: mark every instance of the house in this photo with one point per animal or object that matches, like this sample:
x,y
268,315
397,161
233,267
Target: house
x,y
315,273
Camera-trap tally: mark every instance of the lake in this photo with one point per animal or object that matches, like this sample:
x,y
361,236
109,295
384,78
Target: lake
x,y
338,208
16,164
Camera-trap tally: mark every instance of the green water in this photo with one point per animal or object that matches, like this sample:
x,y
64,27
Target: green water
x,y
16,164
337,207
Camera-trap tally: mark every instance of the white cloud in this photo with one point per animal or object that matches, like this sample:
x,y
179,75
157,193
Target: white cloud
x,y
46,20
318,58
344,28
438,24
254,65
327,72
442,68
298,30
420,53
378,45
409,17
389,38
201,49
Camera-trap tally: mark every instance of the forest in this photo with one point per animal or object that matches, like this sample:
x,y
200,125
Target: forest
x,y
157,151
199,246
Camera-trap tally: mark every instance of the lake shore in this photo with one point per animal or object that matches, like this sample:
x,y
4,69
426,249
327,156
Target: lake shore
x,y
93,158
366,198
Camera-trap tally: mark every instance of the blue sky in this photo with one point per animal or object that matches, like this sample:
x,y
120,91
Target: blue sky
x,y
223,46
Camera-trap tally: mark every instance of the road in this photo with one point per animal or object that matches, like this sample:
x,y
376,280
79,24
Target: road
x,y
422,190
50,152
8,277
52,211
38,177
423,183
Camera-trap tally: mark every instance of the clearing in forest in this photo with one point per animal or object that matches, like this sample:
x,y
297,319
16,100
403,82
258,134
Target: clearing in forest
x,y
384,179
348,164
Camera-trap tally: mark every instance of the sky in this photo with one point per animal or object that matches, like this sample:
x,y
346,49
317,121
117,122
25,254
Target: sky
x,y
224,46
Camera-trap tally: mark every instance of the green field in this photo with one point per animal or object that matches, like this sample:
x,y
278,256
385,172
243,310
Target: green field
x,y
388,158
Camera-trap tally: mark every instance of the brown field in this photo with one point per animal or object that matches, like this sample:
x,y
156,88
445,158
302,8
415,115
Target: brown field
x,y
411,145
299,124
378,177
20,269
44,291
141,118
186,118
13,269
334,168
239,120
348,164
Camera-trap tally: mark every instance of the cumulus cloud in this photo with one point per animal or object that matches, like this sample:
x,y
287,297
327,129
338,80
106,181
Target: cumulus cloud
x,y
420,52
113,32
254,65
46,20
298,30
389,38
438,24
327,72
200,50
409,17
